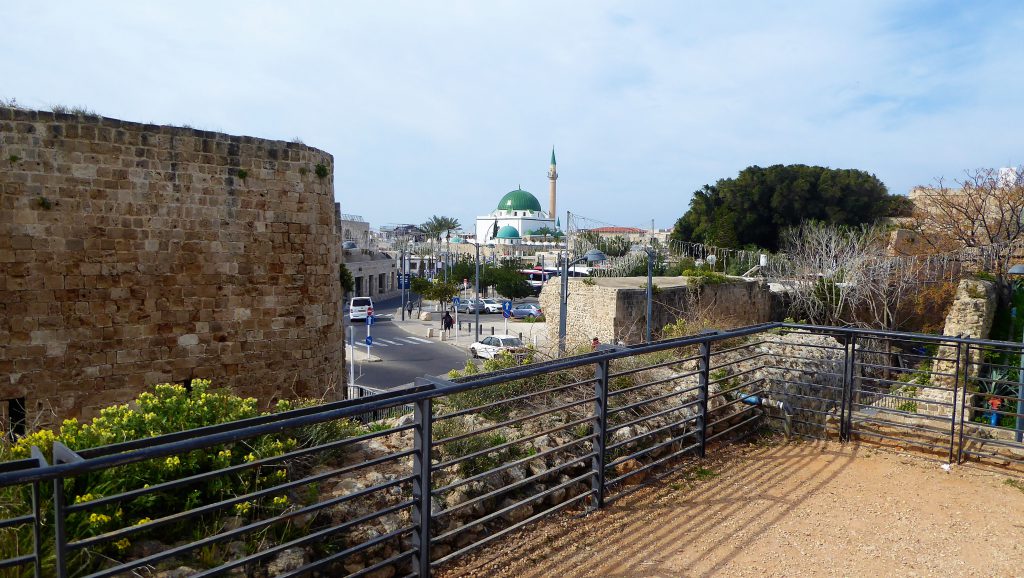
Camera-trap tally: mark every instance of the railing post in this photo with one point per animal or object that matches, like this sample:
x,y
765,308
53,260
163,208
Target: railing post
x,y
61,455
37,515
963,404
421,488
846,402
953,399
704,368
600,440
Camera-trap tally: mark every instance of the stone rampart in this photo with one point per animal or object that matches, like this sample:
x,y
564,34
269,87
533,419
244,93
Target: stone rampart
x,y
134,254
616,308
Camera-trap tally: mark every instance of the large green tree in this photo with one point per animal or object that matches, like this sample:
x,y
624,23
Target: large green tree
x,y
754,207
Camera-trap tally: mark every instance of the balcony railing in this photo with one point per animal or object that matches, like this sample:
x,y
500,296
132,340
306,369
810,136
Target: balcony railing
x,y
408,479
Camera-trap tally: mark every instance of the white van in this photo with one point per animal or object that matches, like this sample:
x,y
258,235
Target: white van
x,y
359,308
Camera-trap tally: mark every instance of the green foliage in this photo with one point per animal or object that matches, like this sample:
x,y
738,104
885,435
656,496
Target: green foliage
x,y
243,174
703,474
303,171
44,203
321,171
345,276
759,203
167,409
705,277
13,159
1014,484
676,269
589,281
510,284
494,393
438,226
640,269
420,285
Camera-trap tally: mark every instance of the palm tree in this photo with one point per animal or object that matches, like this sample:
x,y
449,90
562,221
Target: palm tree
x,y
437,226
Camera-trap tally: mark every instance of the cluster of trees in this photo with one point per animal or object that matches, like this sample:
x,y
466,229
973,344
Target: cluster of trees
x,y
504,277
754,208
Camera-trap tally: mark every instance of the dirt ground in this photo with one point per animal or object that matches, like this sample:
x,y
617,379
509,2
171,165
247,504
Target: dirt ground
x,y
783,509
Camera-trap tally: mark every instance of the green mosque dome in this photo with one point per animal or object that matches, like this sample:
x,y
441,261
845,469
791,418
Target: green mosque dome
x,y
519,200
508,231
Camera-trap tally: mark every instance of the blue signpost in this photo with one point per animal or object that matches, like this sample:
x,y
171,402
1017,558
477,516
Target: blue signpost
x,y
369,340
506,312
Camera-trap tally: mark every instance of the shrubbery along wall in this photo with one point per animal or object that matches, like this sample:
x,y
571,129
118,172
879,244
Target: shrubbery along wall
x,y
135,254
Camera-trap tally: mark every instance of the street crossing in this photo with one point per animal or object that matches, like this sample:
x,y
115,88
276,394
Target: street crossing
x,y
396,341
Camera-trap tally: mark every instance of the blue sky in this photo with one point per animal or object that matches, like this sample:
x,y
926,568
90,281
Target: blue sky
x,y
442,107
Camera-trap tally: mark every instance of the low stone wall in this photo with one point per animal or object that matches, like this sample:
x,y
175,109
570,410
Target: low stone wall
x,y
616,308
971,315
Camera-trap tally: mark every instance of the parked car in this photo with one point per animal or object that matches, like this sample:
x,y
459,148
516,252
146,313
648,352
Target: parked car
x,y
524,310
359,308
470,306
492,306
494,345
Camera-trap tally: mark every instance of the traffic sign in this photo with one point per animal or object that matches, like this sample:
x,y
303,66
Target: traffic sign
x,y
456,301
506,309
369,319
369,340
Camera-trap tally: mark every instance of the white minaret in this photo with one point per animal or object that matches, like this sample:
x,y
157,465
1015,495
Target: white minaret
x,y
552,177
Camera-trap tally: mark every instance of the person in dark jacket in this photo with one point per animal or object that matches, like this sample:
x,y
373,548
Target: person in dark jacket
x,y
447,322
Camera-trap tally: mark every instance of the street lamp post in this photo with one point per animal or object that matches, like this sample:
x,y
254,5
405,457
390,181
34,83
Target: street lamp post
x,y
476,303
591,256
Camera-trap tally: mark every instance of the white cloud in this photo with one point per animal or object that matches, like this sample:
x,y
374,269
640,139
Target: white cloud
x,y
442,107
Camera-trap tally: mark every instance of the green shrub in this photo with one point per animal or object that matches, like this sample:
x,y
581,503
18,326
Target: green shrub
x,y
704,276
167,409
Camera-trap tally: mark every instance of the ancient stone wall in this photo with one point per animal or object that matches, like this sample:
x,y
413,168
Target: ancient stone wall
x,y
134,254
616,308
971,315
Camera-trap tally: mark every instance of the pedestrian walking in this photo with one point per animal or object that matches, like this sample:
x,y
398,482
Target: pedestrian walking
x,y
447,321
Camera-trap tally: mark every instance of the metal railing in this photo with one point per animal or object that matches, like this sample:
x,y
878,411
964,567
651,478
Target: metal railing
x,y
482,456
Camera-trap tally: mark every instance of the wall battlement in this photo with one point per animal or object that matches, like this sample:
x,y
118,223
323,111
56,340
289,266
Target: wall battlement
x,y
134,254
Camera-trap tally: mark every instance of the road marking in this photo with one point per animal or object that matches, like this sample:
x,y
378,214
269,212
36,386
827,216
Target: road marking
x,y
417,340
386,341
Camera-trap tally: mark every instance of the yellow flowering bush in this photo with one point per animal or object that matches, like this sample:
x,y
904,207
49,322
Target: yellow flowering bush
x,y
171,408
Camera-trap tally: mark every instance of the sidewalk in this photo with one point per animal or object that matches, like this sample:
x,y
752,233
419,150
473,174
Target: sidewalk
x,y
532,333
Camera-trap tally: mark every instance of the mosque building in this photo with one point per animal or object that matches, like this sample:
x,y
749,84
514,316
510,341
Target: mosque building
x,y
519,216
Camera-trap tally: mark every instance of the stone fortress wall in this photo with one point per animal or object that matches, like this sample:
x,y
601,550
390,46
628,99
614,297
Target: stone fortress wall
x,y
615,308
135,254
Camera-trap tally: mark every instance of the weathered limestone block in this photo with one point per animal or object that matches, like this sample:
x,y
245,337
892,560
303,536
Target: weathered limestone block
x,y
135,254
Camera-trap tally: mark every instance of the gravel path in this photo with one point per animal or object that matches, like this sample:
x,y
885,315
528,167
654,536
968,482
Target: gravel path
x,y
792,509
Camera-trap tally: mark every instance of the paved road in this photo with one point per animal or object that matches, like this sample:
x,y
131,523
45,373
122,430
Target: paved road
x,y
404,355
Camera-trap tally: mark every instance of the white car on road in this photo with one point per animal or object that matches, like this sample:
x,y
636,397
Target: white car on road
x,y
494,345
359,308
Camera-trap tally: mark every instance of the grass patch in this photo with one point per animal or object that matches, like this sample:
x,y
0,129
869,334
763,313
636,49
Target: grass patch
x,y
704,474
1015,484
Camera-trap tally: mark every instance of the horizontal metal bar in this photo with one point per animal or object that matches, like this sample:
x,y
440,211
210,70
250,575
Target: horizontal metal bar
x,y
647,450
497,513
654,464
305,570
737,426
9,522
505,466
633,370
944,447
271,461
370,569
501,533
506,423
486,406
616,392
188,514
19,561
442,465
520,483
619,444
657,414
